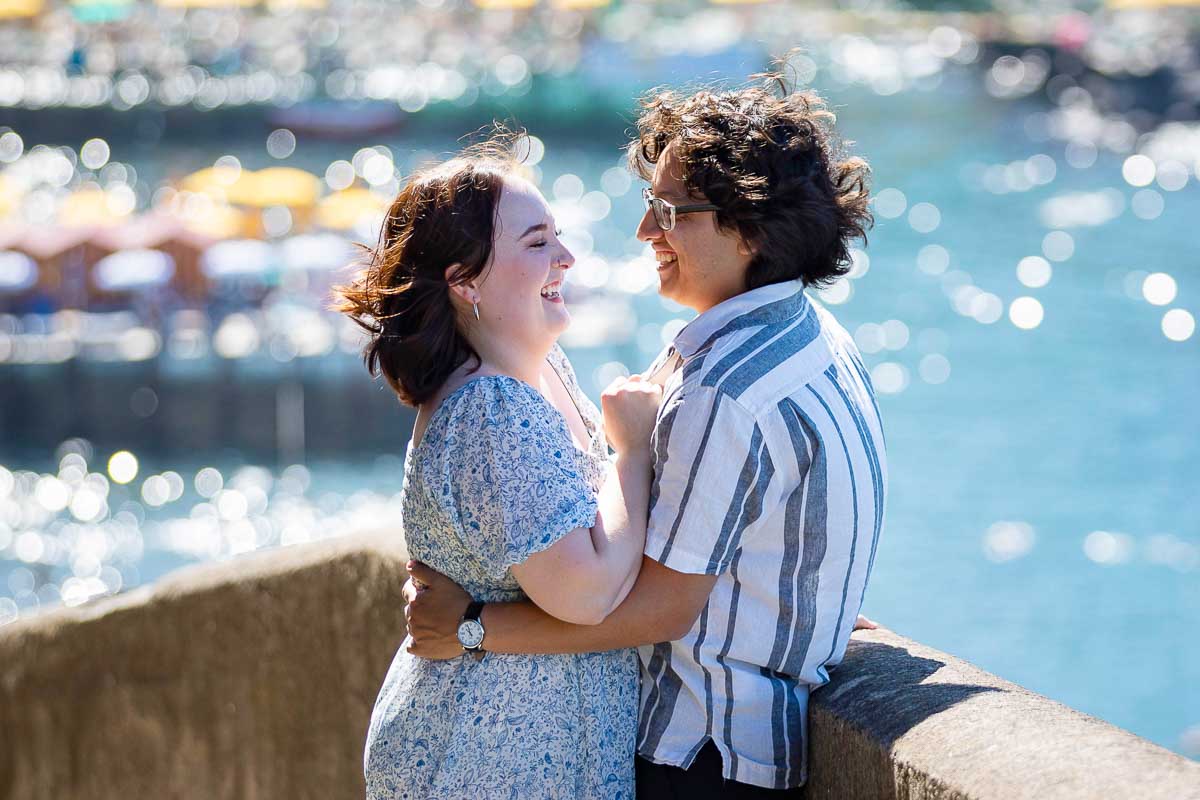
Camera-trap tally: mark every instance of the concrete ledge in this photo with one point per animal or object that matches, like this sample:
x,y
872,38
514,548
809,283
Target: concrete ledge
x,y
901,720
255,678
252,678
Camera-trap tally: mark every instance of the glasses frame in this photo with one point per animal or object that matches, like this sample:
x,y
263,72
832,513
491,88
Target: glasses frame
x,y
665,213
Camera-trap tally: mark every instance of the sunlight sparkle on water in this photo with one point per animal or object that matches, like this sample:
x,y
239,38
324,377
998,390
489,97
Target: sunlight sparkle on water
x,y
1178,325
1159,288
1058,245
838,293
933,259
890,203
123,466
1005,541
1034,271
1138,170
934,369
1026,313
1108,548
1147,204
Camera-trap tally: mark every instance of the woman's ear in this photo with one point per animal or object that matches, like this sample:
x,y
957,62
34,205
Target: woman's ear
x,y
467,292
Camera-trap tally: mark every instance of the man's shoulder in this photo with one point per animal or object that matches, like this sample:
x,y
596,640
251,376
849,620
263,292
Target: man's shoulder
x,y
758,367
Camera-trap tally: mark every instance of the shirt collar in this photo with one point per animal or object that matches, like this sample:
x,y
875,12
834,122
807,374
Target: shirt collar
x,y
774,302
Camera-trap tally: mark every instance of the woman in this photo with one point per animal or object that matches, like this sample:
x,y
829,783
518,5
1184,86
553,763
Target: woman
x,y
508,489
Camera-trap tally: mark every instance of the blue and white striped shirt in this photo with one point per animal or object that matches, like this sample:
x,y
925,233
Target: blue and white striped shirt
x,y
769,472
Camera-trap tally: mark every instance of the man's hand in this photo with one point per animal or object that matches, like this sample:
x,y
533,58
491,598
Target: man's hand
x,y
434,605
864,624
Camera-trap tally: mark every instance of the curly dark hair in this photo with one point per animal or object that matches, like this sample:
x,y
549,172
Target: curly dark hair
x,y
443,215
769,158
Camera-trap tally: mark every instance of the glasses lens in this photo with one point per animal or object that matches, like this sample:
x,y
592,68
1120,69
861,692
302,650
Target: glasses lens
x,y
663,214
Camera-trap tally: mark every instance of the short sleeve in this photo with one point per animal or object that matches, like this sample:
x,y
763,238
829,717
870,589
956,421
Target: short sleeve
x,y
512,473
711,473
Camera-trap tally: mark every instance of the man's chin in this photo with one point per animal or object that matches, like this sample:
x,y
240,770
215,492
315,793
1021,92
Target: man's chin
x,y
666,284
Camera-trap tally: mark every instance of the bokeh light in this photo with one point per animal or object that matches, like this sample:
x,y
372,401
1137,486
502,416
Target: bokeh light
x,y
1034,271
122,466
1178,325
1026,313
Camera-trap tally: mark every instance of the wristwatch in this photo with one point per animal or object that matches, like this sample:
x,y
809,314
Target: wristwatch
x,y
470,630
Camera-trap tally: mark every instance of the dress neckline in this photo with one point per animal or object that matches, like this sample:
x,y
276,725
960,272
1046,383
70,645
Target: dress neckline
x,y
436,414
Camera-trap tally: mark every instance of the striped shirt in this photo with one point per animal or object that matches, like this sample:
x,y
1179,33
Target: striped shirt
x,y
769,472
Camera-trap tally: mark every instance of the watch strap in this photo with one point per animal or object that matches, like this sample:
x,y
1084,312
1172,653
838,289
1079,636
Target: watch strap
x,y
474,610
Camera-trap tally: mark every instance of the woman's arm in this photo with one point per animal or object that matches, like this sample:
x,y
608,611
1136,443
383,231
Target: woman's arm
x,y
586,574
662,605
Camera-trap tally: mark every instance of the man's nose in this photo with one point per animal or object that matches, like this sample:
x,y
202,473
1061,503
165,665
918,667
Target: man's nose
x,y
648,229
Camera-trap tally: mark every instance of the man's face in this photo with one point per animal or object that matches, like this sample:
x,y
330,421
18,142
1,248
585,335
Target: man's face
x,y
699,265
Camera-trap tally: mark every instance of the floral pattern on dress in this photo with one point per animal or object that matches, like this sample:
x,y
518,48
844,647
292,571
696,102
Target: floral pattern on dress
x,y
496,478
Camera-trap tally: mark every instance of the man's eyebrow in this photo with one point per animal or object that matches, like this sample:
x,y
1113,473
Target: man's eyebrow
x,y
541,226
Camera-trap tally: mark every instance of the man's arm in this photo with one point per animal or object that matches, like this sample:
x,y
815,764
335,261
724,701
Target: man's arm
x,y
662,606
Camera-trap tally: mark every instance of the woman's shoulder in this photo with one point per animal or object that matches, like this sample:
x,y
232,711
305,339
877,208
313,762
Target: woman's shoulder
x,y
492,398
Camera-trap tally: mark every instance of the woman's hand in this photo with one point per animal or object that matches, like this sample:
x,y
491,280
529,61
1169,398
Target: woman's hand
x,y
630,407
434,605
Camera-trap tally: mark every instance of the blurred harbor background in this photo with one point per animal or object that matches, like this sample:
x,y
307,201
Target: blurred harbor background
x,y
181,183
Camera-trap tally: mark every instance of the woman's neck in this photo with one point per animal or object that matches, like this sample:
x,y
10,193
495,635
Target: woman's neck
x,y
509,358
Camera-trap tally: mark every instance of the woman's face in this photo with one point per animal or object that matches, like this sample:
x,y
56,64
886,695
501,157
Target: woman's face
x,y
520,292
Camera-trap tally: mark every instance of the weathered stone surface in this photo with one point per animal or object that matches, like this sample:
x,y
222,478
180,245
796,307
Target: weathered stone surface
x,y
903,721
255,678
252,678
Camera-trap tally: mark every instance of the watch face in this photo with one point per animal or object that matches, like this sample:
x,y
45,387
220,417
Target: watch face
x,y
470,634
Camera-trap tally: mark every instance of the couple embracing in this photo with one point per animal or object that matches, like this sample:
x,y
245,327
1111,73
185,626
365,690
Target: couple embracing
x,y
649,623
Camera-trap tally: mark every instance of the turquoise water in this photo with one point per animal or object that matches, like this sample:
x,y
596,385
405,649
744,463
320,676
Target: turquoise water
x,y
1043,519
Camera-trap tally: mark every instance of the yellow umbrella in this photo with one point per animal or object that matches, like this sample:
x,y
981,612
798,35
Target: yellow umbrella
x,y
282,186
221,183
217,221
342,210
90,207
21,9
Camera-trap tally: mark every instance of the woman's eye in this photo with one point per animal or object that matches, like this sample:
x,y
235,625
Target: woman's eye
x,y
538,244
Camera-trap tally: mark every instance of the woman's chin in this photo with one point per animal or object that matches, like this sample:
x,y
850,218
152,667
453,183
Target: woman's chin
x,y
558,319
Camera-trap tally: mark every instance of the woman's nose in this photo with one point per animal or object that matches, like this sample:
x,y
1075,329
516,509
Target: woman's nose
x,y
566,260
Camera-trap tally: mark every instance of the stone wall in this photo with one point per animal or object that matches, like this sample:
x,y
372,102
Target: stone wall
x,y
255,678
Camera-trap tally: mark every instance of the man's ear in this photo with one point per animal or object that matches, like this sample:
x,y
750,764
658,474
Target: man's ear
x,y
747,248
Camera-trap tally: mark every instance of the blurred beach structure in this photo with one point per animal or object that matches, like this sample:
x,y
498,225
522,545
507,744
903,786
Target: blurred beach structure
x,y
182,182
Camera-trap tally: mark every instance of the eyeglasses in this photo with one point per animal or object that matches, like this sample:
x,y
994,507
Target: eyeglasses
x,y
665,213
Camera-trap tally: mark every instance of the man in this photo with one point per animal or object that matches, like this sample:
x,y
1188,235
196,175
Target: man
x,y
769,471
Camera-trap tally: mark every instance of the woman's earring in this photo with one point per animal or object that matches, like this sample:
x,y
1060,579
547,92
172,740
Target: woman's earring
x,y
475,308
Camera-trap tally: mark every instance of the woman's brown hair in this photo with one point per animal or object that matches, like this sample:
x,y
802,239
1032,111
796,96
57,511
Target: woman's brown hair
x,y
769,158
444,215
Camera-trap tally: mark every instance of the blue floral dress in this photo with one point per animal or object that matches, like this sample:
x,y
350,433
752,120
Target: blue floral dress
x,y
495,479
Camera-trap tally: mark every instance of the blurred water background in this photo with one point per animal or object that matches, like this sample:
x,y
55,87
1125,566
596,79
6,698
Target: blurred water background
x,y
171,389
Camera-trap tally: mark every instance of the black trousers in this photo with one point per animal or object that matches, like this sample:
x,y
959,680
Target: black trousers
x,y
700,781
